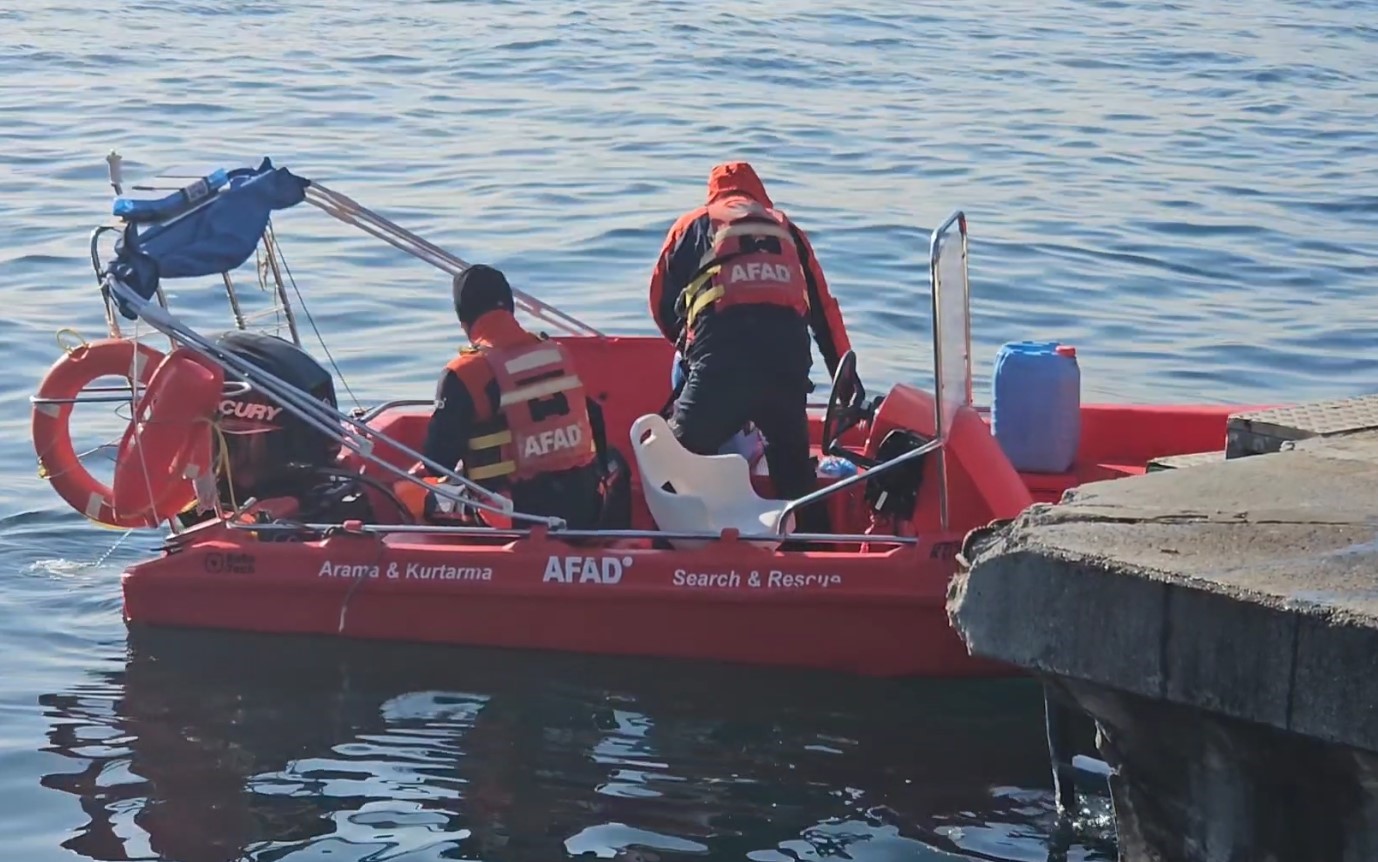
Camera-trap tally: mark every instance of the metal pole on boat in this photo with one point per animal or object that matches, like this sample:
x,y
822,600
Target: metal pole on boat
x,y
943,317
116,163
270,254
939,390
351,212
320,415
113,163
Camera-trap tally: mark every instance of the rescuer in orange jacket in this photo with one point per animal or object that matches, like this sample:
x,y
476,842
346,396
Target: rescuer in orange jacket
x,y
513,410
737,288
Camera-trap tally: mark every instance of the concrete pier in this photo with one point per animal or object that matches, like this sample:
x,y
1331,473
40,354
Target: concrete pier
x,y
1218,618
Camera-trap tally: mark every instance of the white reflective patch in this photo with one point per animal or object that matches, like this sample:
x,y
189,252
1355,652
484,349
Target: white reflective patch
x,y
534,359
138,365
94,505
47,409
538,390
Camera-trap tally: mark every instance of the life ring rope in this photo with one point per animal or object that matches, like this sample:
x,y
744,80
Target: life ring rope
x,y
222,466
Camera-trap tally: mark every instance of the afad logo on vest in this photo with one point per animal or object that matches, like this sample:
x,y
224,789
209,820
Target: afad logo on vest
x,y
546,442
755,271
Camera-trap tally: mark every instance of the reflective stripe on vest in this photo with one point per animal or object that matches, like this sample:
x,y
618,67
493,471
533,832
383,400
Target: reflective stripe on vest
x,y
542,403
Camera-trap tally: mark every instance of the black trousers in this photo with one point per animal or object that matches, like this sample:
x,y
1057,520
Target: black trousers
x,y
575,495
715,403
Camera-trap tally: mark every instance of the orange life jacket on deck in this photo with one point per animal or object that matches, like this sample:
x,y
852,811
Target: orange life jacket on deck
x,y
541,424
752,260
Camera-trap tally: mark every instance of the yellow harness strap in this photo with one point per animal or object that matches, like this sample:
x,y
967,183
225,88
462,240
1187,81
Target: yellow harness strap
x,y
492,471
694,301
491,441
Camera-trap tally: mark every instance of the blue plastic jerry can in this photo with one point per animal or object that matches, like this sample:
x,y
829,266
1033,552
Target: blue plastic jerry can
x,y
1036,405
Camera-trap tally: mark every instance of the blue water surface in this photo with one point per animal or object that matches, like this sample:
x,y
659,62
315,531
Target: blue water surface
x,y
1186,192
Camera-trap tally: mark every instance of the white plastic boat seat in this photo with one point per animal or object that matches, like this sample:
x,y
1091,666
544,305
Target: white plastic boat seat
x,y
706,493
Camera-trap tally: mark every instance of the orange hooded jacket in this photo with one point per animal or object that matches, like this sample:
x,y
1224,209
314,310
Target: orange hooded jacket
x,y
689,238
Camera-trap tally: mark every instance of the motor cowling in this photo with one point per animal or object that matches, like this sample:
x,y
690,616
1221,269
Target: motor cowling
x,y
268,451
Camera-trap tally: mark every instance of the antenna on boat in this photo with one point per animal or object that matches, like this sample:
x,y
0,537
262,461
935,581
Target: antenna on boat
x,y
115,168
116,164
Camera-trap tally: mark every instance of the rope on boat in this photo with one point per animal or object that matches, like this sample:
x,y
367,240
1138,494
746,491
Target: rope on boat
x,y
349,594
105,556
134,418
274,250
224,462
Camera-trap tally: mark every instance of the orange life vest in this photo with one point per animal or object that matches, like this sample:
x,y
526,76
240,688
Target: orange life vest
x,y
541,424
752,259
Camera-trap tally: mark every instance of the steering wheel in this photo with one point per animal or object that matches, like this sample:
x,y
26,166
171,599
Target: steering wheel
x,y
846,409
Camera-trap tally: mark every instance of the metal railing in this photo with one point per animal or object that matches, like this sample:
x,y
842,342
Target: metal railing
x,y
231,389
349,211
860,476
500,533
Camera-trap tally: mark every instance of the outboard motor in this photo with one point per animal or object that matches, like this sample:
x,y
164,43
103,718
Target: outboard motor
x,y
270,452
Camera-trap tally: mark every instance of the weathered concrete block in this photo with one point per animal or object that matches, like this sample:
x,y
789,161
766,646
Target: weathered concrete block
x,y
1335,674
1192,786
1221,625
1234,677
1192,585
1027,614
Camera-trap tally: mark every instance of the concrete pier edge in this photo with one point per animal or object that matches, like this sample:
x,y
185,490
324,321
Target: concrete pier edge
x,y
1220,623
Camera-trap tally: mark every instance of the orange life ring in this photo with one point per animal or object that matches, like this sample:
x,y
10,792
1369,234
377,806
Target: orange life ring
x,y
168,441
52,413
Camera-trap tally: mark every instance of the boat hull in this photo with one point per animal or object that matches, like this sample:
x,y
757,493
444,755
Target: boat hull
x,y
884,615
878,614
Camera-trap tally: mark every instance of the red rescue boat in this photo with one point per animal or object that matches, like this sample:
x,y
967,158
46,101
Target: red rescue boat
x,y
299,529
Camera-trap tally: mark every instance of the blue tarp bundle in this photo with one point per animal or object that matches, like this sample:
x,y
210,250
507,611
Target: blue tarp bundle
x,y
211,238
